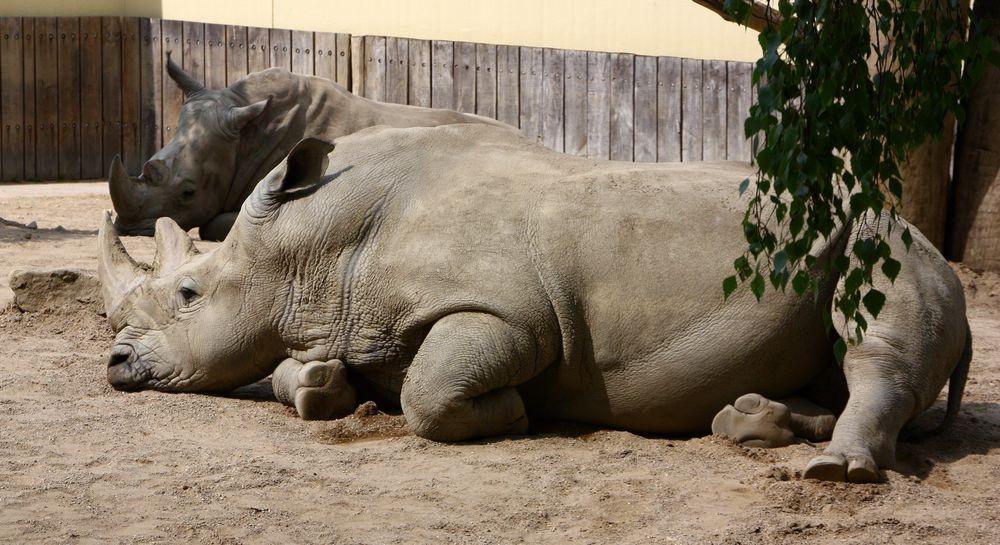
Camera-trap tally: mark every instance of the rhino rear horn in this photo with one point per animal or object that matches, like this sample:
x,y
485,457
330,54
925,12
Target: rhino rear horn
x,y
185,81
119,274
173,247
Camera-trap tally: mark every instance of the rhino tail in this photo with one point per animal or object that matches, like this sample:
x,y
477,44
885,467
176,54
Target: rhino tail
x,y
956,388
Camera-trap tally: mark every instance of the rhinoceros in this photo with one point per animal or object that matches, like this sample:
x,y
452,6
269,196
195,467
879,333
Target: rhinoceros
x,y
228,139
479,281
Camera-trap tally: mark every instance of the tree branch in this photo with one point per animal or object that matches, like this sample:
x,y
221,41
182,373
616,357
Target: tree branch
x,y
761,15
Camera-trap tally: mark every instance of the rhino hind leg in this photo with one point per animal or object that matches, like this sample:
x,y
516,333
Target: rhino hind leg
x,y
757,421
319,390
461,384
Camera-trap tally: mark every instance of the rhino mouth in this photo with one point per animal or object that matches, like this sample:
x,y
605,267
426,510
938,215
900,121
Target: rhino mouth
x,y
123,372
143,229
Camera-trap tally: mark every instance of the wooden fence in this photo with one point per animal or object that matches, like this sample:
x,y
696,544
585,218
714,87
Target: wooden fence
x,y
77,91
611,105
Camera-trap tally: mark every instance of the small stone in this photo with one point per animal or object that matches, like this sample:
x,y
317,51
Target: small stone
x,y
27,236
368,408
49,289
32,225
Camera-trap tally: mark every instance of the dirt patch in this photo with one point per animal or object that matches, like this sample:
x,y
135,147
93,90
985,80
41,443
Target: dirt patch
x,y
81,463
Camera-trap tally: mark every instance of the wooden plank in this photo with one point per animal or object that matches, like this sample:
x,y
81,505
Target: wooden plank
x,y
691,110
531,92
486,80
397,61
281,48
737,110
622,106
151,93
598,104
714,111
443,74
12,98
68,45
645,109
193,52
358,65
668,109
236,53
91,84
575,103
29,38
375,68
553,61
344,60
420,73
259,50
302,52
131,95
111,92
215,56
172,34
508,88
465,77
47,97
326,55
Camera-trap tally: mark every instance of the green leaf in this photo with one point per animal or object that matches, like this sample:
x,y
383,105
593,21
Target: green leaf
x,y
853,281
800,282
874,300
891,268
744,185
757,286
728,286
907,238
840,350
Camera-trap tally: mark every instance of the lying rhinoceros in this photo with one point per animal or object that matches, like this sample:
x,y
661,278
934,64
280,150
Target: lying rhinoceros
x,y
228,139
478,279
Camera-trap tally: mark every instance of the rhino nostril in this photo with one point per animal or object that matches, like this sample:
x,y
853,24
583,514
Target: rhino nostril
x,y
120,354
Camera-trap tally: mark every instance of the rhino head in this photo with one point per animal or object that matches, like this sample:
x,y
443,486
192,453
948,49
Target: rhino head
x,y
202,322
189,179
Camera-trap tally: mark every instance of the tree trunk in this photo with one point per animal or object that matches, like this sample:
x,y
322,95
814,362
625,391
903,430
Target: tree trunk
x,y
974,230
925,176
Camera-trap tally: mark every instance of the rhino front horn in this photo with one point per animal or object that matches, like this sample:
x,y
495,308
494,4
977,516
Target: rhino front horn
x,y
119,183
118,272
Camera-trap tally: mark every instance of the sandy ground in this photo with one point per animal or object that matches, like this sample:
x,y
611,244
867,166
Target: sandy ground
x,y
81,463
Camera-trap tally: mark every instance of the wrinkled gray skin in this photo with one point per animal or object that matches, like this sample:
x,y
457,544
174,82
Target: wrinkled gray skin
x,y
228,139
480,280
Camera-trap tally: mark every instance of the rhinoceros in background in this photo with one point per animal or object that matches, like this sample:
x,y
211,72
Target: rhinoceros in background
x,y
478,279
228,139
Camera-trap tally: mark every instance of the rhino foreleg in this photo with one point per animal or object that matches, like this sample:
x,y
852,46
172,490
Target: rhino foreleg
x,y
319,390
461,382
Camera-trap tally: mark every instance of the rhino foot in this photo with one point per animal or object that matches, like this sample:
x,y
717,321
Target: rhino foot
x,y
834,467
318,390
755,421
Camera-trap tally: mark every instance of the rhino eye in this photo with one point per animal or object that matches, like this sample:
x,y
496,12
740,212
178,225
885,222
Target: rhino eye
x,y
188,193
187,294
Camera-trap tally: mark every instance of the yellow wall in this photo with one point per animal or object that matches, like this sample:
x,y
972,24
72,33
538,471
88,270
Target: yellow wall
x,y
651,27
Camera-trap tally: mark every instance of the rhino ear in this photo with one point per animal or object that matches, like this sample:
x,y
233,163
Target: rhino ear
x,y
173,247
302,169
241,116
304,165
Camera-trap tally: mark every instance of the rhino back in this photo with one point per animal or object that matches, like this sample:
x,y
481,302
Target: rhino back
x,y
615,268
